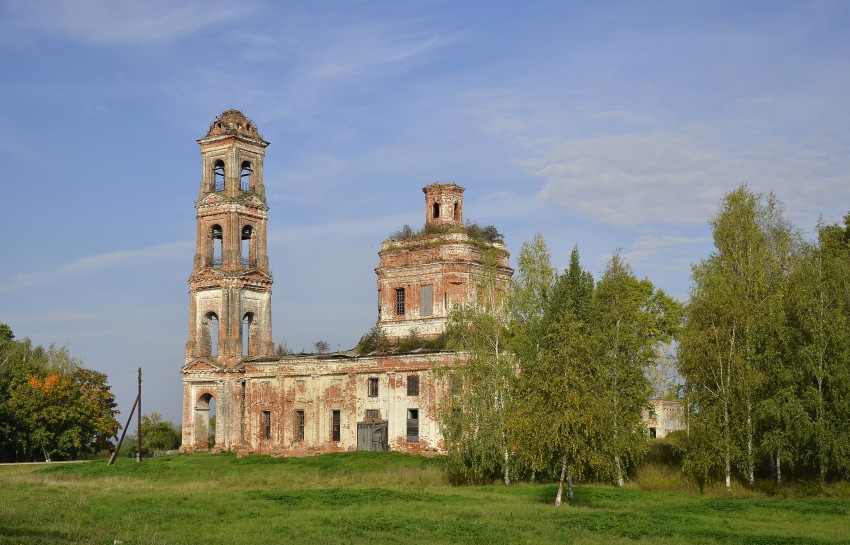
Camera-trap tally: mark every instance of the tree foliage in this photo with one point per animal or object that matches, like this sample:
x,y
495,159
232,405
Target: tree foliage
x,y
474,414
157,435
818,312
321,346
556,410
631,320
731,343
766,348
50,405
552,380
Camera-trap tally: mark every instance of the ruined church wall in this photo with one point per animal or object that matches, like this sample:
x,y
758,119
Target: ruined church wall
x,y
320,386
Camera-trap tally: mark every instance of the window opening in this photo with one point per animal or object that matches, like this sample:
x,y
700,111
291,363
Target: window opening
x,y
247,322
335,421
372,414
245,176
413,385
245,247
218,175
426,300
373,387
436,210
455,211
267,424
211,424
211,335
412,425
399,301
299,425
217,235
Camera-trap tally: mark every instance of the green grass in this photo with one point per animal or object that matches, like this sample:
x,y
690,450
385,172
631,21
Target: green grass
x,y
367,497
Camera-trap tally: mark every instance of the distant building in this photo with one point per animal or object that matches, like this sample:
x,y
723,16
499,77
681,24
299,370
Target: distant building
x,y
663,417
308,404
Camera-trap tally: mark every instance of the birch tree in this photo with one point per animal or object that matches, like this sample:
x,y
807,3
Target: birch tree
x,y
474,415
731,353
819,317
559,411
630,321
531,288
555,417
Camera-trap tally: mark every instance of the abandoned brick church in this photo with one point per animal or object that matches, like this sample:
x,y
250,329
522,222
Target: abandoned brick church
x,y
309,404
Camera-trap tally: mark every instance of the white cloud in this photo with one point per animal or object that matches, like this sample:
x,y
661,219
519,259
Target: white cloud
x,y
679,177
122,21
368,48
176,251
648,246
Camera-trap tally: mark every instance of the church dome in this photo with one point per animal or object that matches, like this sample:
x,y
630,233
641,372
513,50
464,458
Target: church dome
x,y
233,122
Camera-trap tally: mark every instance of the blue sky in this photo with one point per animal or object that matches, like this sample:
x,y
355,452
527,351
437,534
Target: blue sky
x,y
599,124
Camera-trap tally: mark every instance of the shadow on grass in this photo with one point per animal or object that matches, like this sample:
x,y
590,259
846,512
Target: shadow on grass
x,y
26,535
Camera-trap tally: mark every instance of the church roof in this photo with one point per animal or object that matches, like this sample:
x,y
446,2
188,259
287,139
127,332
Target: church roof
x,y
233,122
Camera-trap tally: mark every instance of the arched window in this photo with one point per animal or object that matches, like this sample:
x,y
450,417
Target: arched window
x,y
248,258
217,239
436,210
209,335
456,212
218,175
247,322
205,421
245,176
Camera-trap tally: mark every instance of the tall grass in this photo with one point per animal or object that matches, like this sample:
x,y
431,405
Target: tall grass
x,y
366,497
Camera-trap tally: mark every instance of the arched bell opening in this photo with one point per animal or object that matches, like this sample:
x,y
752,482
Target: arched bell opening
x,y
247,334
205,422
216,241
246,247
218,175
245,175
209,335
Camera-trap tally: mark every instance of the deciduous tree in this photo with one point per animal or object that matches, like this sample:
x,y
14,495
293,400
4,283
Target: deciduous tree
x,y
474,416
731,351
50,403
631,320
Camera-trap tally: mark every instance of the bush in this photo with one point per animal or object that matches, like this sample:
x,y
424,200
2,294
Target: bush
x,y
375,340
405,233
488,233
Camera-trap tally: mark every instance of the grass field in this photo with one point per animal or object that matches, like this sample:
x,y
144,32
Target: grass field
x,y
365,497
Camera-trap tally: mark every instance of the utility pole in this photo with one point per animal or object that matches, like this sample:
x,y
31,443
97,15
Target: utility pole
x,y
136,404
139,422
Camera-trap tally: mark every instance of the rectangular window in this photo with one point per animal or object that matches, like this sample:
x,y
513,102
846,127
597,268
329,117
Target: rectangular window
x,y
399,301
426,300
266,424
372,414
299,425
373,387
413,385
412,425
335,425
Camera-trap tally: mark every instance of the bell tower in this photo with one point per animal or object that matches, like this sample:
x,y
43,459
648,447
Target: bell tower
x,y
230,287
443,205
